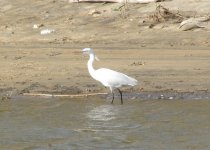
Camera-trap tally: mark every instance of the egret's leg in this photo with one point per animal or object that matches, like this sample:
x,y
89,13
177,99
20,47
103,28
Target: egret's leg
x,y
112,97
112,94
120,96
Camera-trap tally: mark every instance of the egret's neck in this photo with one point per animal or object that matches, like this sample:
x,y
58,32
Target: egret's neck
x,y
90,65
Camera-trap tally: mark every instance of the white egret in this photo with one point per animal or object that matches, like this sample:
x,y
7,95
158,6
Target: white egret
x,y
109,78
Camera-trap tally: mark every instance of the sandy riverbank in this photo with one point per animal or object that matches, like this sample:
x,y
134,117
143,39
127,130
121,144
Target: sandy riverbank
x,y
159,55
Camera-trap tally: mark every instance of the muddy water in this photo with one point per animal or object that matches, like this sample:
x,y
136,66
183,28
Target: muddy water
x,y
65,124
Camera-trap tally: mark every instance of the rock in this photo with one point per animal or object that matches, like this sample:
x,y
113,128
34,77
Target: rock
x,y
192,23
46,31
36,26
94,13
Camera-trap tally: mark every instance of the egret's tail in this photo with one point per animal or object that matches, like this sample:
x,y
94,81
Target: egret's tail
x,y
132,81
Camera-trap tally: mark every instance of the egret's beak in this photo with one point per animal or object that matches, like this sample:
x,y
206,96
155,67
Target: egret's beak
x,y
83,52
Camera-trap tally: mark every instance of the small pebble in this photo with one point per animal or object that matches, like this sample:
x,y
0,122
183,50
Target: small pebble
x,y
36,26
171,98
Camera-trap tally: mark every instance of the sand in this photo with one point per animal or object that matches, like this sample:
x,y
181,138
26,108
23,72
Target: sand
x,y
137,39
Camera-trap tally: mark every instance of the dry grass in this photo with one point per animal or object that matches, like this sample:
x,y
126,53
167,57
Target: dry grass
x,y
163,14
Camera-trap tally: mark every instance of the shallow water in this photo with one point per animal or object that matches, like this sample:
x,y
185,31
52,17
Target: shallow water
x,y
65,124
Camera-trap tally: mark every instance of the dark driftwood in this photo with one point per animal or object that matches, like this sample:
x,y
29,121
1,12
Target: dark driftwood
x,y
115,1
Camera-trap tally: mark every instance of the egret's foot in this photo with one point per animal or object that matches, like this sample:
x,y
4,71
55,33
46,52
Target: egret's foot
x,y
121,101
112,98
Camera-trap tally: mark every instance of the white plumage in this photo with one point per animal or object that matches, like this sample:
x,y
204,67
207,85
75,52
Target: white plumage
x,y
109,78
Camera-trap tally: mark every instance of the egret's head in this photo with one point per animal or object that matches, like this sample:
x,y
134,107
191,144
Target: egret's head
x,y
87,51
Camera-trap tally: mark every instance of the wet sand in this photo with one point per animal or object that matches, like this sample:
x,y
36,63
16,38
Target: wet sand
x,y
64,70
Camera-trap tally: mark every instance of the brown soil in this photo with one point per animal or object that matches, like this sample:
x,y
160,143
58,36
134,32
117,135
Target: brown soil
x,y
129,39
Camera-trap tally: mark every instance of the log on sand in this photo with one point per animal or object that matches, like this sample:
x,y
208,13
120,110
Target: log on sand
x,y
116,1
62,95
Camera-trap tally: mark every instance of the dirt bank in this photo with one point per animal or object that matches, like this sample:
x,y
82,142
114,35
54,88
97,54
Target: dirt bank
x,y
128,39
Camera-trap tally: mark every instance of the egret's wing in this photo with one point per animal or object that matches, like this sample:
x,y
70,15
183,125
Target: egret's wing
x,y
113,78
